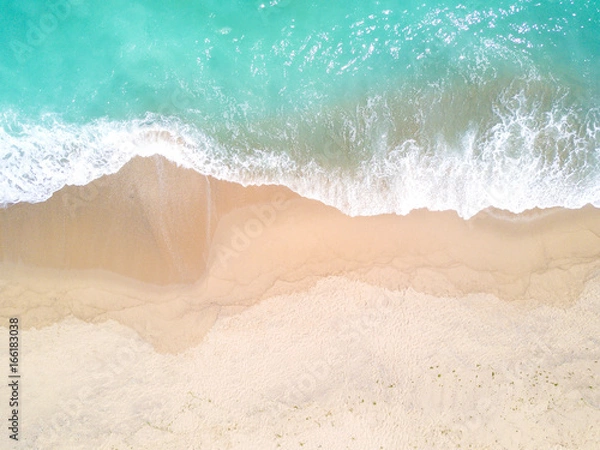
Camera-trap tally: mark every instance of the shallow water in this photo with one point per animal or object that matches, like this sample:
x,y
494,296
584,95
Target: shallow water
x,y
372,107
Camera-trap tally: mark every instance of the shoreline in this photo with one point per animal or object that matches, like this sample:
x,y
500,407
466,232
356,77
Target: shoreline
x,y
342,364
166,251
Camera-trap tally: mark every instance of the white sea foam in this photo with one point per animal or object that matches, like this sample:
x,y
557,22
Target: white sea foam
x,y
526,158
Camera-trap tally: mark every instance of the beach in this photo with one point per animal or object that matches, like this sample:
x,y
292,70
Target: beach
x,y
160,307
300,225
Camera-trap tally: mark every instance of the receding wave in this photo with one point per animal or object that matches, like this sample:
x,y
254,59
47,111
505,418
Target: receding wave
x,y
513,145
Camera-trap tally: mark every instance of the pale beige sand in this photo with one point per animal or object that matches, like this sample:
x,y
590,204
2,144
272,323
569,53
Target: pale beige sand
x,y
344,365
152,221
324,331
165,250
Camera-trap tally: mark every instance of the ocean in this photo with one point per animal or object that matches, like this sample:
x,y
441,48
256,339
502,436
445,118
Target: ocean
x,y
370,106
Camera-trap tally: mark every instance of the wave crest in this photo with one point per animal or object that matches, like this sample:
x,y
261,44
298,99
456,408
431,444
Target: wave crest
x,y
517,146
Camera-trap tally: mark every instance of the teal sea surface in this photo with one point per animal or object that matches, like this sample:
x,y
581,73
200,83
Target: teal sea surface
x,y
370,106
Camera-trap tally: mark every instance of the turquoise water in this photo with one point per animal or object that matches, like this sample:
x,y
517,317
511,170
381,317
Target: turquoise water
x,y
370,106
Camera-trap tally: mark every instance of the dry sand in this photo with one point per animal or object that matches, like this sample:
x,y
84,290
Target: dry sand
x,y
344,365
456,316
169,249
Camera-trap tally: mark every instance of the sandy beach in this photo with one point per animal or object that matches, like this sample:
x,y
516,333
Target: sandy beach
x,y
226,316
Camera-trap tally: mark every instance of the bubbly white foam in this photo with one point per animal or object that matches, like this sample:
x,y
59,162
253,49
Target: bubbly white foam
x,y
529,158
